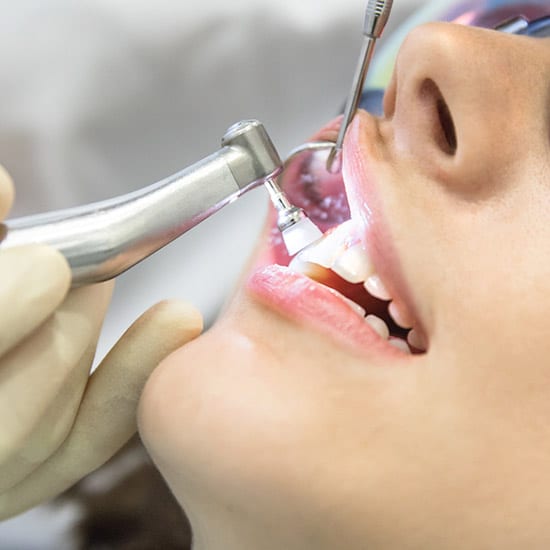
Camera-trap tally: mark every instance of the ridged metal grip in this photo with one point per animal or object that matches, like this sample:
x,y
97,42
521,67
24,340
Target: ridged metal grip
x,y
376,17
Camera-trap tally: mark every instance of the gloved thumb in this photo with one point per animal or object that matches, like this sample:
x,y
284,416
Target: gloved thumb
x,y
107,415
6,193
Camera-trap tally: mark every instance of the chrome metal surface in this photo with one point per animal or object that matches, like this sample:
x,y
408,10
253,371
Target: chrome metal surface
x,y
376,17
309,146
513,25
289,217
104,239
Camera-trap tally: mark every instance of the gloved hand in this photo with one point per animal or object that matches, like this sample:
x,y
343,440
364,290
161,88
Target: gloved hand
x,y
58,423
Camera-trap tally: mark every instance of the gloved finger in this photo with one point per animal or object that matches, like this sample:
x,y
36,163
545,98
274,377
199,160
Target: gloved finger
x,y
34,281
6,193
42,382
107,415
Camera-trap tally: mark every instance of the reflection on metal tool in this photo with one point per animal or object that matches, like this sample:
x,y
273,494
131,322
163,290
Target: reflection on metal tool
x,y
297,229
104,239
376,17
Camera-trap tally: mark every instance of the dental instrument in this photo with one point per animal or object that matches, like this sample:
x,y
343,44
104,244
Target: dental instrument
x,y
297,230
521,25
376,17
102,240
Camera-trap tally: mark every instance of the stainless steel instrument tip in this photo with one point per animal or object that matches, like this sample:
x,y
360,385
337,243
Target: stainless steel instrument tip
x,y
376,17
297,230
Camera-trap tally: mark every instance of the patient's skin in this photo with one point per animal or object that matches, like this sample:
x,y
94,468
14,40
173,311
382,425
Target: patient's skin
x,y
273,435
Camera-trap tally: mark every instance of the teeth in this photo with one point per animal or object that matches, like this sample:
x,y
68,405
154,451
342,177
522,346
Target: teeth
x,y
379,326
322,253
356,307
400,316
399,344
376,288
353,264
341,251
416,341
298,265
326,251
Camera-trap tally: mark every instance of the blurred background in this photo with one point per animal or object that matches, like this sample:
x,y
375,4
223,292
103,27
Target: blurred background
x,y
102,97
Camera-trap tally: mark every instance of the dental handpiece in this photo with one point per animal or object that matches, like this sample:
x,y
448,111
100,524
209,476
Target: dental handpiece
x,y
104,239
297,230
376,17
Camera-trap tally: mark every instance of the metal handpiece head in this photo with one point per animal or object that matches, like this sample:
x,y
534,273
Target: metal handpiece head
x,y
297,230
376,17
261,161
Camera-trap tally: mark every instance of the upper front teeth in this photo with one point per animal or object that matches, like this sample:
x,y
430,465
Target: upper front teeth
x,y
341,251
376,288
353,264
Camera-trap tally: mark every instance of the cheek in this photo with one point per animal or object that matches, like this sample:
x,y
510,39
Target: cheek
x,y
320,444
224,416
476,265
263,431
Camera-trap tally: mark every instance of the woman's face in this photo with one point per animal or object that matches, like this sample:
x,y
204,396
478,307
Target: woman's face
x,y
292,424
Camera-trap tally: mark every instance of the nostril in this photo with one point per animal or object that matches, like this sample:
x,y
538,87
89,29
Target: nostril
x,y
440,117
447,125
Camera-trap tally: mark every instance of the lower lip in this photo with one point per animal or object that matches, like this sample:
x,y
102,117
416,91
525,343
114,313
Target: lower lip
x,y
307,302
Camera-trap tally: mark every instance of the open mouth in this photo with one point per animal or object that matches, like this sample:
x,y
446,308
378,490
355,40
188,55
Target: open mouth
x,y
339,261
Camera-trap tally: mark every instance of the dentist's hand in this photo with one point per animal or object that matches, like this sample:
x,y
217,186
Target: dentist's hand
x,y
58,423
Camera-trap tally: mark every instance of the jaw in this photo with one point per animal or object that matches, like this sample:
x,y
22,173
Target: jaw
x,y
272,422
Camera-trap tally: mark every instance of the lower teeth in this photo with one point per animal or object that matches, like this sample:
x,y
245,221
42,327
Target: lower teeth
x,y
399,344
341,253
416,341
379,326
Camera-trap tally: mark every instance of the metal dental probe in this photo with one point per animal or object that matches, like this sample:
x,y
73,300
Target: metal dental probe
x,y
376,17
297,229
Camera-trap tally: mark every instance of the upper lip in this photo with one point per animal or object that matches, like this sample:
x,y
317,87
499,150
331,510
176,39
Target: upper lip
x,y
363,152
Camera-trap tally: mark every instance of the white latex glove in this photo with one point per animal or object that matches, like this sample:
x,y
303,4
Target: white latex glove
x,y
58,423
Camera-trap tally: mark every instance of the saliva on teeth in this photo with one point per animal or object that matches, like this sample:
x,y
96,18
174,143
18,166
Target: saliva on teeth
x,y
342,251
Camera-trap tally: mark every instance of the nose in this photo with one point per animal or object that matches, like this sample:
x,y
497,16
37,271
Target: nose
x,y
462,101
